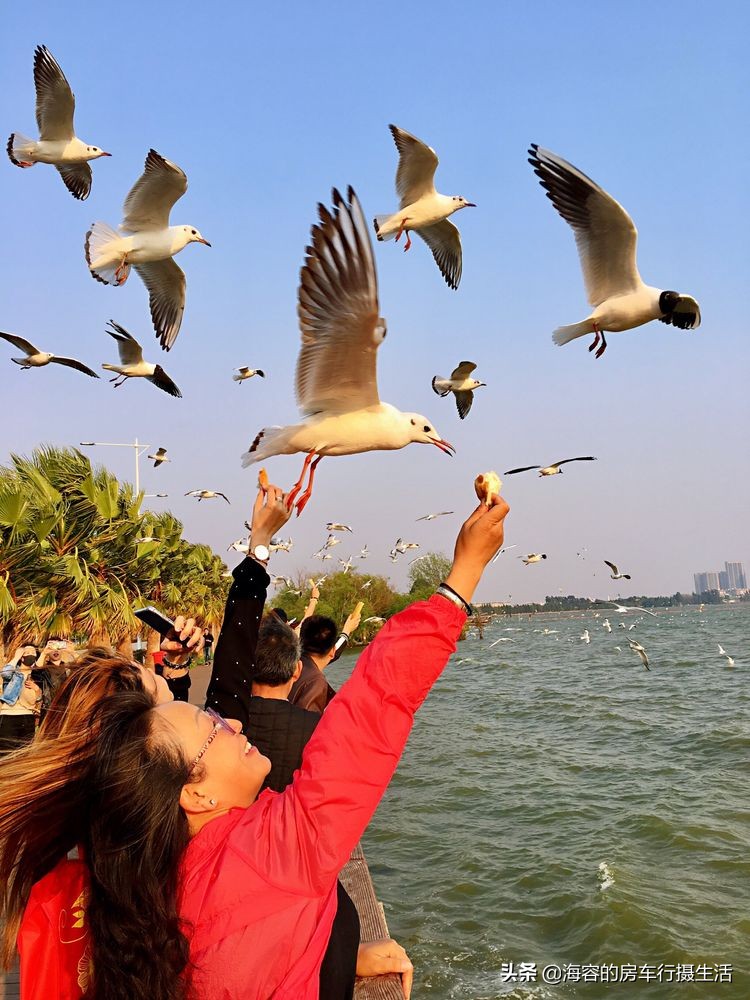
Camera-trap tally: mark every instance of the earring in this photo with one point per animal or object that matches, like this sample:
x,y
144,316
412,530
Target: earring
x,y
212,802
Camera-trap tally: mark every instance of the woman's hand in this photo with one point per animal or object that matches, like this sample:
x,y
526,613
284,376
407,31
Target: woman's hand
x,y
375,958
480,537
269,515
185,640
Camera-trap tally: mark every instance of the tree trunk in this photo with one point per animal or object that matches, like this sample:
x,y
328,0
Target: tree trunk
x,y
153,641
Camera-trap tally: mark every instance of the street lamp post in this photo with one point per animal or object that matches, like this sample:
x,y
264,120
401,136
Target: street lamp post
x,y
136,445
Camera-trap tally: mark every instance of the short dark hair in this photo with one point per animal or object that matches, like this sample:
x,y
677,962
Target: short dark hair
x,y
280,613
318,635
277,653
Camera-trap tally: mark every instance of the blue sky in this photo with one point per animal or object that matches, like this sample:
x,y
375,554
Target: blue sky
x,y
265,108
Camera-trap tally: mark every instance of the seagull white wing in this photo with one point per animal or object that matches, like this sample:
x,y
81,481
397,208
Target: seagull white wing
x,y
605,234
417,164
128,348
55,103
23,345
77,179
462,371
444,240
165,281
151,198
338,313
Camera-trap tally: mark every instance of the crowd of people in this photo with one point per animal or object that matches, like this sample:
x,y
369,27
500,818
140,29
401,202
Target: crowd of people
x,y
150,848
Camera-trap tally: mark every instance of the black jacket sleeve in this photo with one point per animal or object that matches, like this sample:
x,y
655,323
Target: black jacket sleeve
x,y
231,677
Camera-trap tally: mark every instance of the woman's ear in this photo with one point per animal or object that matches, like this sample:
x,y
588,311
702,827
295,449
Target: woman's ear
x,y
194,802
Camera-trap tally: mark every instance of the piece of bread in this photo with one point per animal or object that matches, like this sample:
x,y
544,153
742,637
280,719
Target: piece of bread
x,y
487,485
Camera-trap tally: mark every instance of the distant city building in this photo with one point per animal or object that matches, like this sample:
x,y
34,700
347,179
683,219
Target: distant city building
x,y
731,578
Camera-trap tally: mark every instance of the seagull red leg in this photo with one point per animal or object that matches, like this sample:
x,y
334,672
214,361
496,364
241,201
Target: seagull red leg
x,y
603,348
407,245
302,502
596,338
298,485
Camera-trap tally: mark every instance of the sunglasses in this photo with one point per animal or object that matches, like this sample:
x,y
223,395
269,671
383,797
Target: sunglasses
x,y
219,724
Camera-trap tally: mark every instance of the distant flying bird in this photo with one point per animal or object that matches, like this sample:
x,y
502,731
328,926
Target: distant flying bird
x,y
616,574
431,517
330,542
38,359
550,470
239,546
282,581
58,145
279,545
145,539
132,364
606,626
503,639
723,652
160,457
336,369
460,384
638,648
586,637
422,209
335,526
148,243
346,563
364,553
373,618
504,549
401,546
365,585
606,238
206,495
624,608
245,373
533,557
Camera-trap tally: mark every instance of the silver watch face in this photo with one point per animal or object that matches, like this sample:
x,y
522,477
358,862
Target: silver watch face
x,y
261,552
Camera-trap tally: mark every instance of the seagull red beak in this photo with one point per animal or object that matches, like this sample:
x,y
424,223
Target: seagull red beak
x,y
203,241
445,446
104,154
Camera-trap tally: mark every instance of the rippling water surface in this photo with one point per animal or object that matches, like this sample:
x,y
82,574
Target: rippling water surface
x,y
533,762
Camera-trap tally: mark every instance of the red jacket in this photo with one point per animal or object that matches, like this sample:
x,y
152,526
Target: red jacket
x,y
259,884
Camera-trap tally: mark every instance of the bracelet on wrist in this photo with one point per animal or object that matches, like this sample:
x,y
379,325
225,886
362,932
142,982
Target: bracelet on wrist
x,y
446,591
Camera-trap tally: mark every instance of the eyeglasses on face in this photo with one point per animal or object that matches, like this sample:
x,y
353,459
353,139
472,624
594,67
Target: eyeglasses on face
x,y
219,724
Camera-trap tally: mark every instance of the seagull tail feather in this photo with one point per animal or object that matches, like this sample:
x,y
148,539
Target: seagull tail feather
x,y
564,334
100,260
267,442
19,148
379,221
440,386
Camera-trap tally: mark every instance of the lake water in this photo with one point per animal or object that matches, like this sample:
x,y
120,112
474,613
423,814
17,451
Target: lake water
x,y
537,760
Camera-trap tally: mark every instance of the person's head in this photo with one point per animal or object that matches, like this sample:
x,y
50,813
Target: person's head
x,y
54,651
280,614
277,655
28,656
96,673
318,636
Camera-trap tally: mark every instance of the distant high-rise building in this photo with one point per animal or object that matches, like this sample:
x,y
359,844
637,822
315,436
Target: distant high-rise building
x,y
705,581
736,579
723,580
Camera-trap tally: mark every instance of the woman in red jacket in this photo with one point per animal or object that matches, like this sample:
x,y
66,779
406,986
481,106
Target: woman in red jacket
x,y
200,888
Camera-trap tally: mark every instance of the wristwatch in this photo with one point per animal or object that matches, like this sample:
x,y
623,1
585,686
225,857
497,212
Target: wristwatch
x,y
261,553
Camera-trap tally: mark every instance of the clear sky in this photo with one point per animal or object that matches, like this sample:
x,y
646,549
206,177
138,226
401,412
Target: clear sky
x,y
266,107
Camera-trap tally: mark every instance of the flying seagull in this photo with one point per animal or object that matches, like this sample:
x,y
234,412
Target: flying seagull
x,y
638,648
624,608
330,542
460,384
38,359
422,209
502,639
159,457
57,144
336,370
550,470
431,517
335,526
245,373
606,238
132,364
533,557
606,626
586,637
239,546
616,574
498,554
206,495
364,553
723,652
401,546
148,243
346,563
279,545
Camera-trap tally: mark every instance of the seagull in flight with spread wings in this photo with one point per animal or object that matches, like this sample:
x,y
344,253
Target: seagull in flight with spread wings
x,y
58,143
159,457
132,364
550,470
34,358
616,574
422,209
623,609
206,495
148,243
341,328
461,384
431,517
606,238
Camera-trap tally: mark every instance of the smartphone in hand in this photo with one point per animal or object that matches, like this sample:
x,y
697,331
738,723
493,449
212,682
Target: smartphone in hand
x,y
157,621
